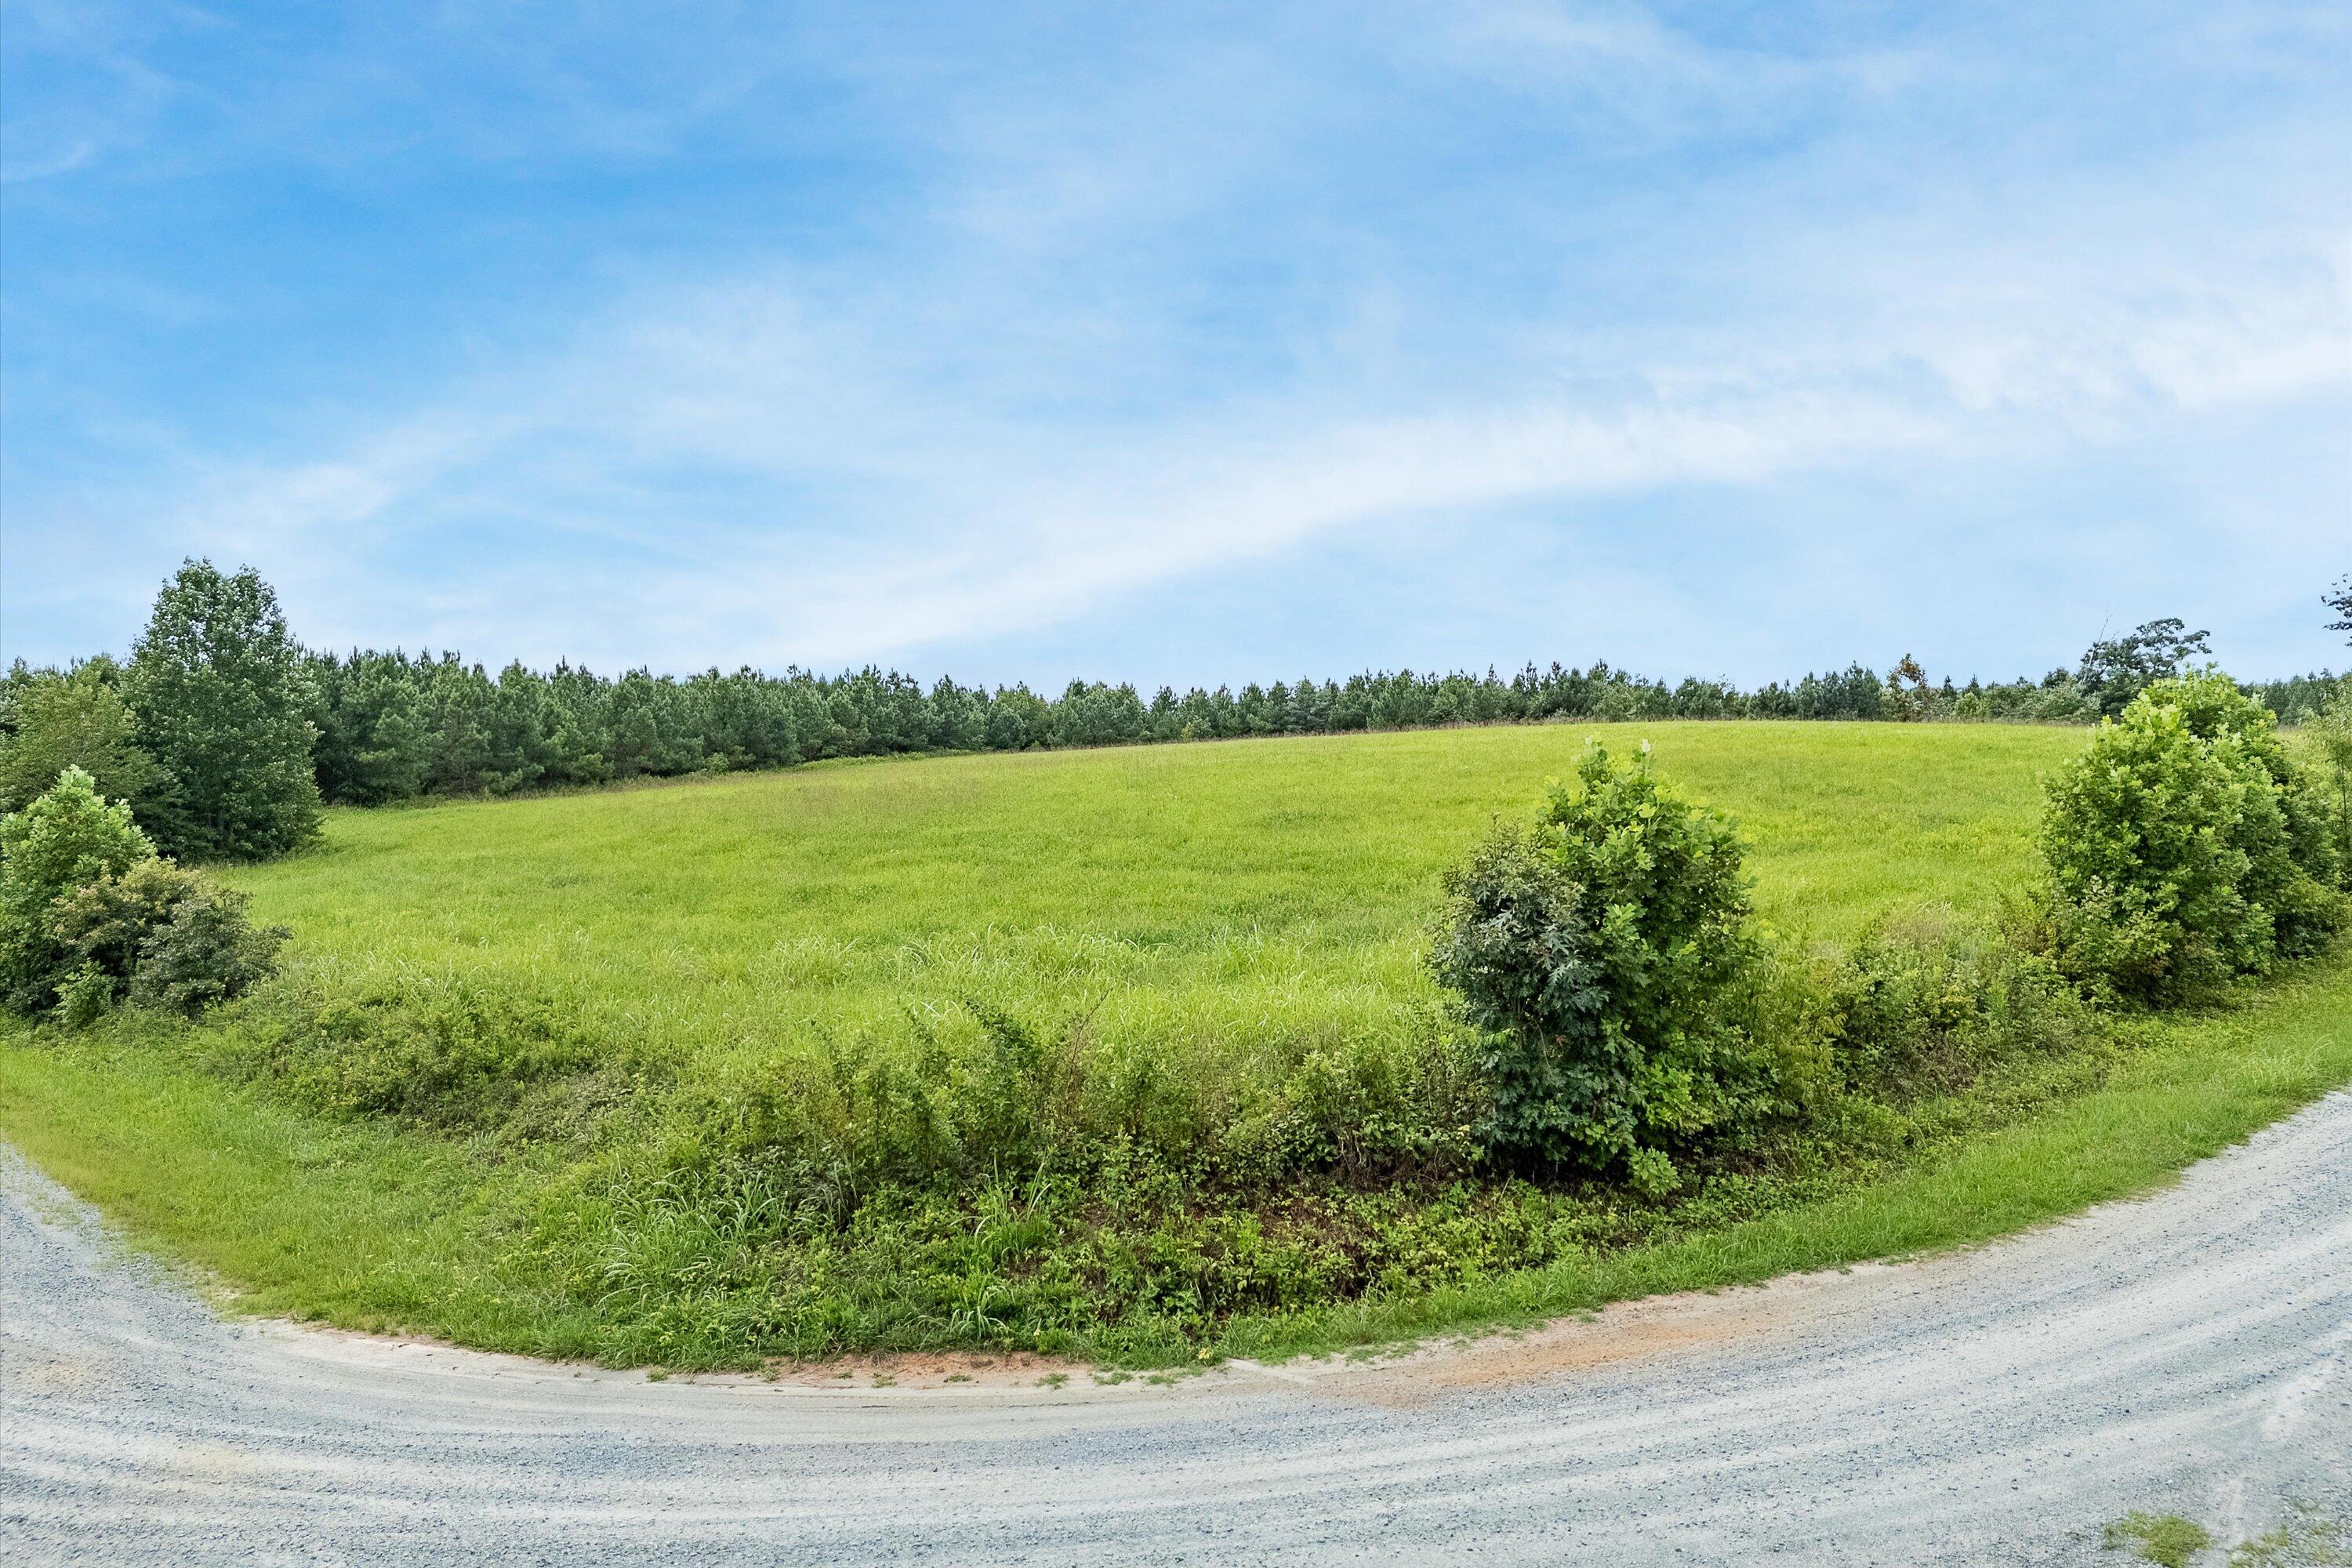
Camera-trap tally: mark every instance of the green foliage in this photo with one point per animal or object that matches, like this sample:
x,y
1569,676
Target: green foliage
x,y
51,721
2330,733
2184,849
89,914
163,935
205,952
1922,1009
103,923
447,1056
2114,672
221,700
1909,698
2216,708
1597,951
2307,1538
2339,599
393,726
2167,1538
1127,1053
67,839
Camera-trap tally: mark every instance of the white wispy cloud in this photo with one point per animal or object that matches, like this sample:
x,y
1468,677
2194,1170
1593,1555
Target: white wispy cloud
x,y
924,519
1138,309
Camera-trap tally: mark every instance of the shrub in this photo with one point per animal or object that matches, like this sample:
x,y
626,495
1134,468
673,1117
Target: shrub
x,y
1598,953
205,952
2180,849
67,839
90,913
103,924
2216,707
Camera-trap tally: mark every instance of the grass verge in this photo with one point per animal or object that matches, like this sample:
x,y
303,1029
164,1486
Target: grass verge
x,y
2192,1087
363,1227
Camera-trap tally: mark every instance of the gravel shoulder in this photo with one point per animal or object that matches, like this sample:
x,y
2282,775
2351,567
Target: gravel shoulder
x,y
2189,1353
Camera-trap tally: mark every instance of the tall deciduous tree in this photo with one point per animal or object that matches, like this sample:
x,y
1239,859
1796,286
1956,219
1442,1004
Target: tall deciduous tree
x,y
2113,672
51,721
222,698
2339,599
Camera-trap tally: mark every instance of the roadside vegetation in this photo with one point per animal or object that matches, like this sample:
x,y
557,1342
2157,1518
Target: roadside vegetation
x,y
1154,1053
2308,1537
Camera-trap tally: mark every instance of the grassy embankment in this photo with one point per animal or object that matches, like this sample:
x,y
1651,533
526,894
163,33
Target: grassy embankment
x,y
1206,934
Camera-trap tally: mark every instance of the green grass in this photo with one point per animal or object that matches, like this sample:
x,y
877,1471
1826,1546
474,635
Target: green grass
x,y
1220,933
1236,900
2166,1540
366,1227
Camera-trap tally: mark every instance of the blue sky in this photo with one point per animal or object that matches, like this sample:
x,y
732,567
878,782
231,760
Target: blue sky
x,y
1185,343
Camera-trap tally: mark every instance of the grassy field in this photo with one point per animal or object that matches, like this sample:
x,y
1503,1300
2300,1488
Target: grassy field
x,y
1247,897
1218,935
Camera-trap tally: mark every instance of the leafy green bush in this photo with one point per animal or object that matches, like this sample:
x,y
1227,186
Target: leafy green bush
x,y
1600,953
89,913
205,951
2216,707
2184,849
1919,1010
67,839
104,923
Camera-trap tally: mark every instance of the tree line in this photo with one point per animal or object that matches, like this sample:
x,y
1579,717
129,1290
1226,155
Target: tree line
x,y
227,735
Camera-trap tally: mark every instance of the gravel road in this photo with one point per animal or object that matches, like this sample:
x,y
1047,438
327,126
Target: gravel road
x,y
2189,1353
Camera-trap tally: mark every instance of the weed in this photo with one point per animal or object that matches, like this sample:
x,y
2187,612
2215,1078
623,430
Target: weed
x,y
2309,1539
2165,1539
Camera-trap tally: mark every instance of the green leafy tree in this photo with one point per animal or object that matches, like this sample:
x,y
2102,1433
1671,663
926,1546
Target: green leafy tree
x,y
2113,672
77,719
222,698
1598,953
69,837
2339,599
1908,696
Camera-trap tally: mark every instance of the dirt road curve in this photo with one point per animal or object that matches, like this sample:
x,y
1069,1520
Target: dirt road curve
x,y
2189,1353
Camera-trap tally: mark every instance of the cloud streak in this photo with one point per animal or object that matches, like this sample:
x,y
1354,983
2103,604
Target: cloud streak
x,y
1026,320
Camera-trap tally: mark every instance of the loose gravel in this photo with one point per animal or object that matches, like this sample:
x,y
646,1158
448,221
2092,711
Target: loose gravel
x,y
2191,1352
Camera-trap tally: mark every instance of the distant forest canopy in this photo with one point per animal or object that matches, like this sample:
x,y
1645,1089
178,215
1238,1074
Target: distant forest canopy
x,y
390,726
